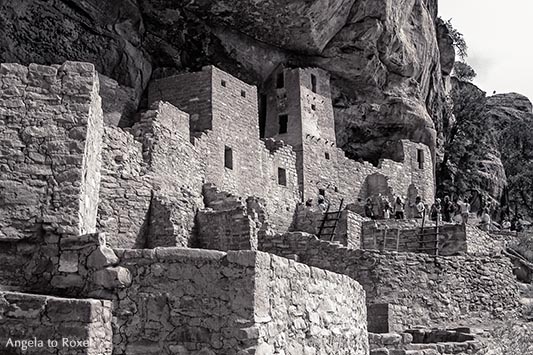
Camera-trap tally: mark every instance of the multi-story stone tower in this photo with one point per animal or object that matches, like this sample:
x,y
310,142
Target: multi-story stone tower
x,y
299,111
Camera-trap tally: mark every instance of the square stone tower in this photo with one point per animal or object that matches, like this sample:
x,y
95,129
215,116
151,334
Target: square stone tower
x,y
224,125
51,124
298,110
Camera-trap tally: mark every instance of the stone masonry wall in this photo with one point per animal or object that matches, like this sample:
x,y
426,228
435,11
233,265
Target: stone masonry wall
x,y
193,93
190,301
347,233
227,230
126,191
227,108
322,167
25,317
390,178
405,236
305,310
437,290
152,177
51,125
15,257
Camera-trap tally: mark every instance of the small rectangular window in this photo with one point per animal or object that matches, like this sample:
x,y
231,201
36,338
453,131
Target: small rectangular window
x,y
420,158
282,177
322,192
327,156
223,83
313,83
243,93
228,158
313,107
283,123
280,81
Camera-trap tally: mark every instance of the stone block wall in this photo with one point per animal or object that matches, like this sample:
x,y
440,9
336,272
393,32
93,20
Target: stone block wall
x,y
82,266
184,300
347,233
29,322
305,310
408,236
227,108
437,290
51,125
479,242
191,94
281,200
349,229
387,318
126,190
390,178
227,230
284,101
152,177
16,263
191,301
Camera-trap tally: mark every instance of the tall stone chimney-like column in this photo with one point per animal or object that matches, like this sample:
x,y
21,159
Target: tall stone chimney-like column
x,y
51,127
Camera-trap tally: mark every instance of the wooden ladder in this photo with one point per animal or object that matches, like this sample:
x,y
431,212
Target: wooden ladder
x,y
329,223
434,243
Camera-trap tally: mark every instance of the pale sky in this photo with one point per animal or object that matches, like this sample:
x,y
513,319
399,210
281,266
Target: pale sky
x,y
499,35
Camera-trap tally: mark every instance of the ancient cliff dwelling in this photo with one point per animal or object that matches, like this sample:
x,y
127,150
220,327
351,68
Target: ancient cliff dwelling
x,y
238,178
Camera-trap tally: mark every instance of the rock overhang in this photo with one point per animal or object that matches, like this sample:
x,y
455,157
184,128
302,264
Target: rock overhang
x,y
299,25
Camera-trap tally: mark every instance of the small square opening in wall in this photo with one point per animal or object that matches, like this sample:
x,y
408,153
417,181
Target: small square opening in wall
x,y
322,192
327,155
228,158
282,177
223,83
283,123
313,107
420,158
243,93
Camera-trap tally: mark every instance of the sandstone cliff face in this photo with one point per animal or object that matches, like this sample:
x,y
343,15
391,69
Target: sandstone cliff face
x,y
384,55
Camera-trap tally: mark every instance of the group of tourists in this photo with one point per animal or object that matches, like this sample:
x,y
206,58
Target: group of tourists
x,y
381,207
444,210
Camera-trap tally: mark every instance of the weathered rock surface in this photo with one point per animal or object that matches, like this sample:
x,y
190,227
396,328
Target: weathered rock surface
x,y
107,34
383,55
511,116
501,126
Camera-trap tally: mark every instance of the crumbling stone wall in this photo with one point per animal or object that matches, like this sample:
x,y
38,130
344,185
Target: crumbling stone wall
x,y
230,229
322,167
16,258
404,178
51,125
225,130
25,317
126,191
152,179
479,242
349,226
196,301
437,290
